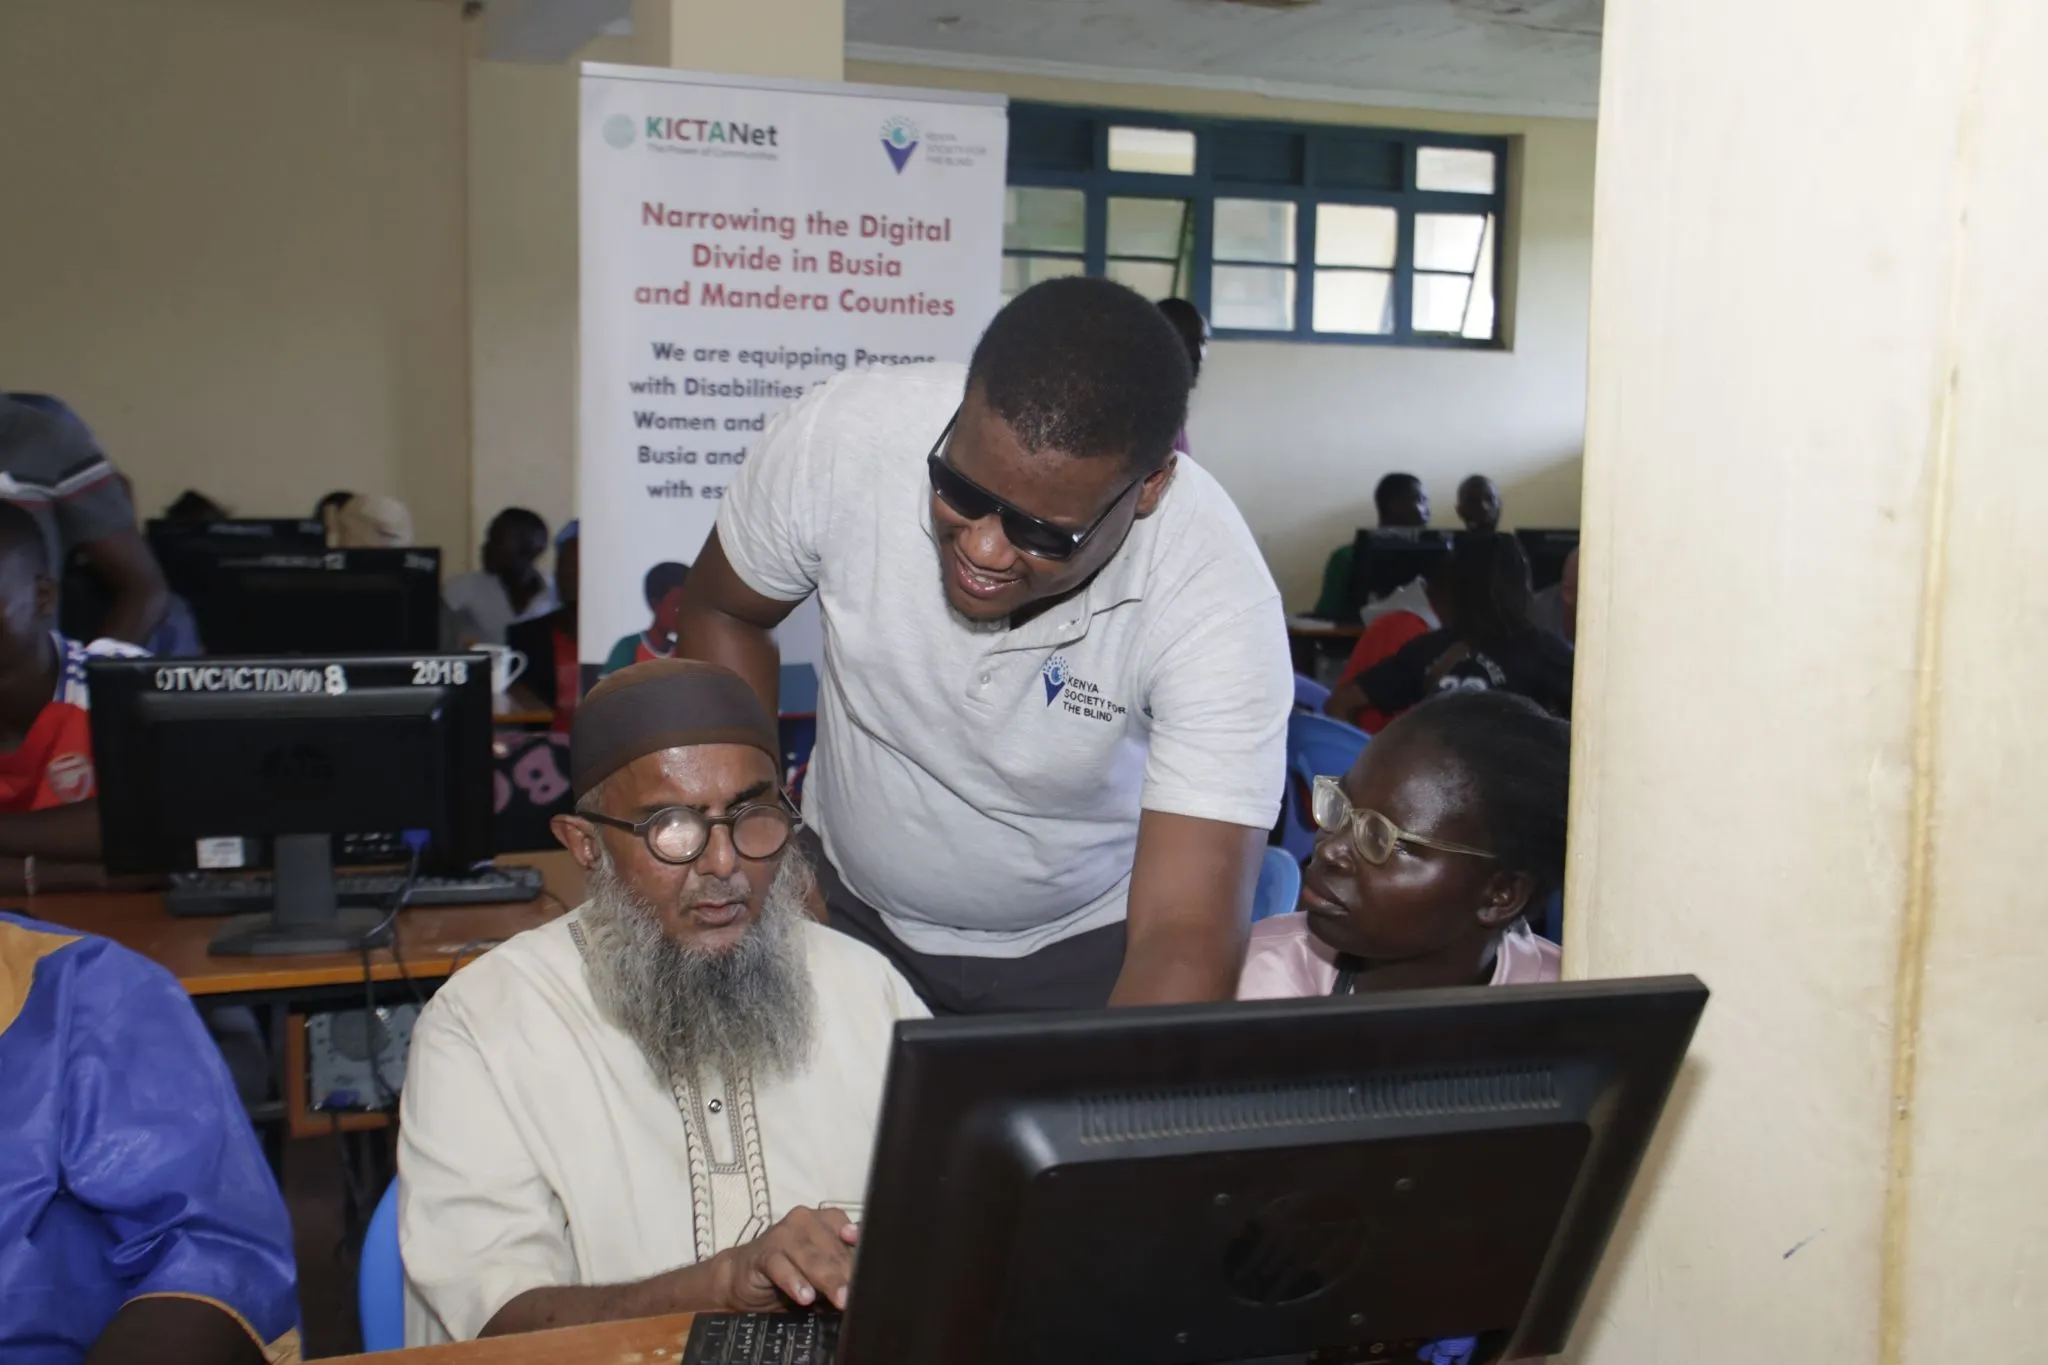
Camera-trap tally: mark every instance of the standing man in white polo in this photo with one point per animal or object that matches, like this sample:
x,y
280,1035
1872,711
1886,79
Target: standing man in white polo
x,y
1054,700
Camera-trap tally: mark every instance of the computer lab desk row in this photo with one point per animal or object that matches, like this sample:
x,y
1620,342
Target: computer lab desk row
x,y
643,1341
431,943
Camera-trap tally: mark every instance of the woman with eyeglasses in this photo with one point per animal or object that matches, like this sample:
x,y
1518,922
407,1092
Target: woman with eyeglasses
x,y
1443,837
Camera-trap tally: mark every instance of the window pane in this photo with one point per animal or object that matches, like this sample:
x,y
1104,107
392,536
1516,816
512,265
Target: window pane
x,y
1153,279
1460,170
1147,227
1253,298
1440,303
1044,220
1479,313
1021,272
1152,151
1354,301
1254,230
1355,234
1448,241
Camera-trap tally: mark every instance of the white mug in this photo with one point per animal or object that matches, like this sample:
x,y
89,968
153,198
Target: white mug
x,y
507,666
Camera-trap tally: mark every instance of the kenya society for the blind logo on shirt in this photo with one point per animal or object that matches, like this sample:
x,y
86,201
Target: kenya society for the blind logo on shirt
x,y
1077,696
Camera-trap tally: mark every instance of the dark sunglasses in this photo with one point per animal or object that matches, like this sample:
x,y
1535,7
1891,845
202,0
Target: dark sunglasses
x,y
1035,536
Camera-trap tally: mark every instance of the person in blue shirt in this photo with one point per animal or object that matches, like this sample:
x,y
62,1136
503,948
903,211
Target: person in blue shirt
x,y
138,1219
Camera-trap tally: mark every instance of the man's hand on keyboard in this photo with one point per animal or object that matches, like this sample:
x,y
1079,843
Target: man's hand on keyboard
x,y
807,1255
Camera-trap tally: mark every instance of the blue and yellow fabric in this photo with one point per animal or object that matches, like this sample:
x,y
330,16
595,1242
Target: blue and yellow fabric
x,y
128,1168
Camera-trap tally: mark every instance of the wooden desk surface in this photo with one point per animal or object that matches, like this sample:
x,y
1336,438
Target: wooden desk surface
x,y
646,1341
430,939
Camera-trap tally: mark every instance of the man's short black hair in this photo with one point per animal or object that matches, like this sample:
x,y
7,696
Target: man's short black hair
x,y
1392,487
515,519
1088,368
663,579
21,533
1193,328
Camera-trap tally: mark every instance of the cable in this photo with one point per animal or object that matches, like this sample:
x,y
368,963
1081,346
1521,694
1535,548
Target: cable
x,y
375,1036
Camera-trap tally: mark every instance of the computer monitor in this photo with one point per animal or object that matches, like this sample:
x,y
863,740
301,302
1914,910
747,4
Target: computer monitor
x,y
1386,559
1547,551
1255,1182
237,762
186,549
324,602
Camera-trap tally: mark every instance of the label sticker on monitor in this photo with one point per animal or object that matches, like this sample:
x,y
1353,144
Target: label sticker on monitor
x,y
219,853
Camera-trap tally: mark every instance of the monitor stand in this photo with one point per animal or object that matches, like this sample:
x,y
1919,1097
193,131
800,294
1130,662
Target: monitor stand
x,y
305,915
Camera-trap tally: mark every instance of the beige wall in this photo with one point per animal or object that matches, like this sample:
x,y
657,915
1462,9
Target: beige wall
x,y
359,270
232,236
1811,759
1300,433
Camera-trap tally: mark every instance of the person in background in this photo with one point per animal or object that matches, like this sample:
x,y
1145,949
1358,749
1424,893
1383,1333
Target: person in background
x,y
1400,503
1399,619
1194,334
1479,504
329,508
139,1224
192,508
1053,716
49,814
51,465
663,588
1487,640
656,1103
371,521
1557,606
554,670
509,587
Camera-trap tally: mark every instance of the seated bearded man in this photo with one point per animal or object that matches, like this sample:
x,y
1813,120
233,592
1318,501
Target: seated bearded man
x,y
664,1101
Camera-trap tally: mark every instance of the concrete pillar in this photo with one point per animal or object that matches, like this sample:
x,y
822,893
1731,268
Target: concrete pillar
x,y
1812,751
799,38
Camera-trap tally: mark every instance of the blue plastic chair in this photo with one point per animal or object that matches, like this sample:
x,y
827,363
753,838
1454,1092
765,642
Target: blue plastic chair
x,y
1309,695
1317,746
1279,888
380,1278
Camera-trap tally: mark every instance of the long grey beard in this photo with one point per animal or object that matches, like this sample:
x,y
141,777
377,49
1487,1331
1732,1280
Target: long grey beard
x,y
745,1011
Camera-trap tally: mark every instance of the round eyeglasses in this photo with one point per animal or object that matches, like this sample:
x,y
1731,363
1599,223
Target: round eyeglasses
x,y
1373,834
678,834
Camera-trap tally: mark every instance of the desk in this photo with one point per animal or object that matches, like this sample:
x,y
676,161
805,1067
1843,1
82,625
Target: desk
x,y
432,942
429,938
645,1341
1309,637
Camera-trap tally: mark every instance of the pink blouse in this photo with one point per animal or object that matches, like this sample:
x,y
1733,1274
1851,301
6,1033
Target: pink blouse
x,y
1287,962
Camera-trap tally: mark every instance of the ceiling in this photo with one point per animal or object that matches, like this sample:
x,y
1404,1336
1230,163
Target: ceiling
x,y
1505,56
1520,56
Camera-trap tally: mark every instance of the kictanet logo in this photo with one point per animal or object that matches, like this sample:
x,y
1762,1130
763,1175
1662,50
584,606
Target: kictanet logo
x,y
899,139
709,131
618,130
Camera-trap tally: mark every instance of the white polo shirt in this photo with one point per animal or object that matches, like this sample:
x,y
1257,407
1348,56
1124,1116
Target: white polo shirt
x,y
980,786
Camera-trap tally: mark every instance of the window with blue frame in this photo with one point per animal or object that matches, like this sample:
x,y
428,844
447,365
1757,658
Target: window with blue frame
x,y
1295,232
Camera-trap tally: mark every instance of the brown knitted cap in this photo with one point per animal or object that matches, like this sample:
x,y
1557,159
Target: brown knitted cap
x,y
664,704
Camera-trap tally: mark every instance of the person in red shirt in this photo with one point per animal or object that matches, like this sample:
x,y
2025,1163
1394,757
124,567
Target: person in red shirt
x,y
49,813
1388,632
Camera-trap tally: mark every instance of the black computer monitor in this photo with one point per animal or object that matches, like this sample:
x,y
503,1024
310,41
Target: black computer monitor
x,y
1547,551
186,549
323,602
241,762
1384,560
1254,1182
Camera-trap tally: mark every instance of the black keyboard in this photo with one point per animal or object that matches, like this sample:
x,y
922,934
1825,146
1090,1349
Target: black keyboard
x,y
245,893
762,1339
